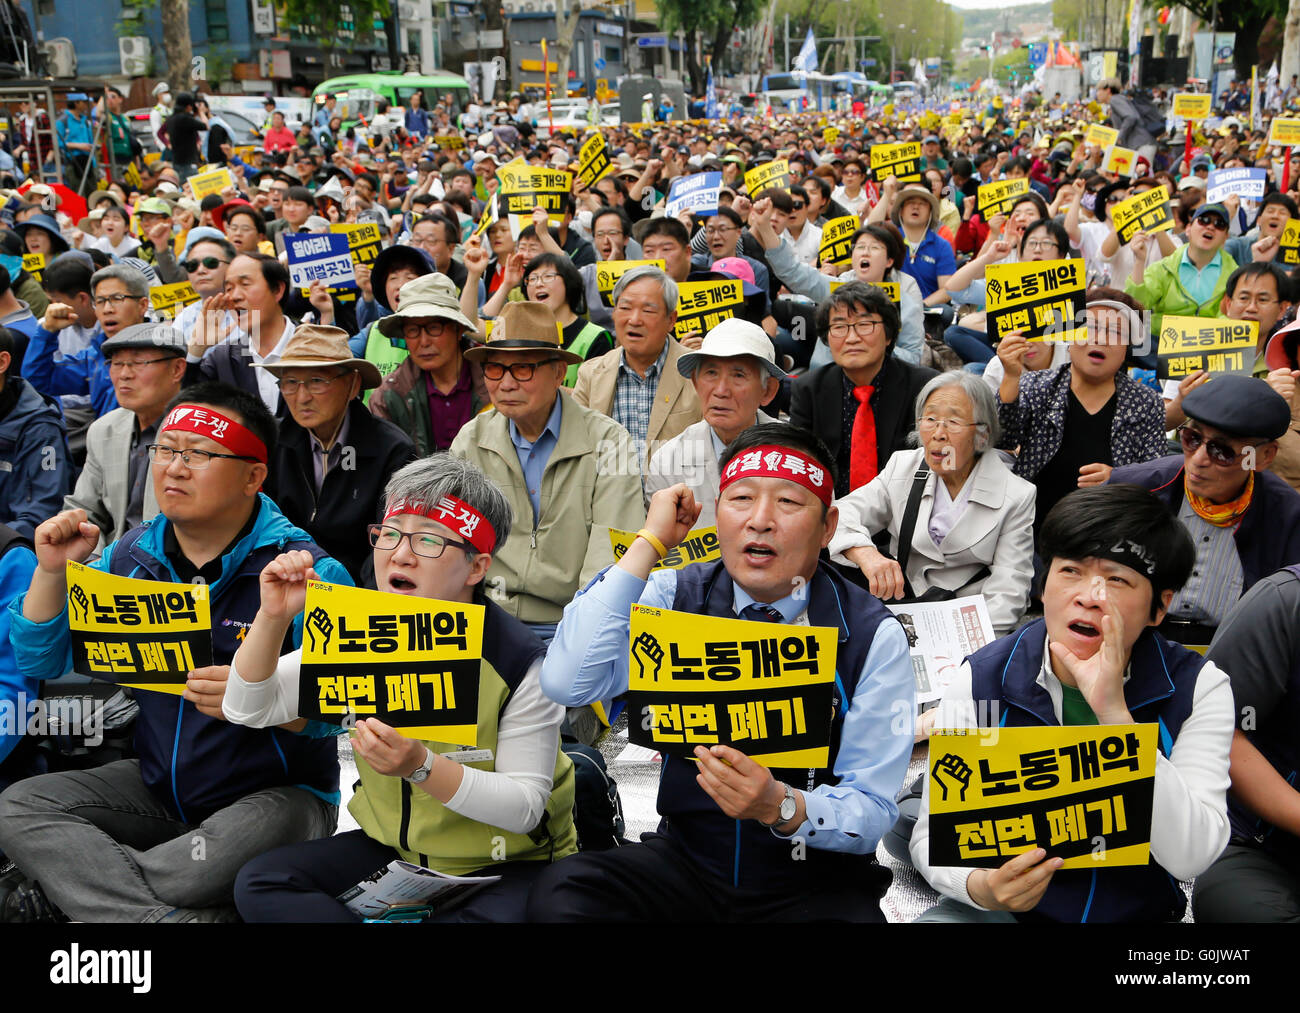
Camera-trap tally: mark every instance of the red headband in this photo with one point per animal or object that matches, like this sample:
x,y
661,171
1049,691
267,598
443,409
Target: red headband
x,y
455,514
190,418
779,462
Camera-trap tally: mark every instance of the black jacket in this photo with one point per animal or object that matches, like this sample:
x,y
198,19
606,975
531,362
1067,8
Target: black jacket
x,y
352,494
818,404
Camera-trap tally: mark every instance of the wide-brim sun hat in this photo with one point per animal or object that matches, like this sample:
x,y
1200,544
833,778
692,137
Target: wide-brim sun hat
x,y
431,295
523,327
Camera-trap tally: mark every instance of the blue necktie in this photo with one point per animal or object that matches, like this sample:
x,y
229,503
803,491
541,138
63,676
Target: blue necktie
x,y
761,613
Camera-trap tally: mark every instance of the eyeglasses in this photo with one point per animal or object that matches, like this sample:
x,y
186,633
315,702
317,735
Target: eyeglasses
x,y
719,230
1219,451
116,299
864,326
423,543
542,279
521,371
433,328
315,384
120,364
799,205
209,263
1260,299
930,423
851,172
426,241
1041,244
195,460
608,234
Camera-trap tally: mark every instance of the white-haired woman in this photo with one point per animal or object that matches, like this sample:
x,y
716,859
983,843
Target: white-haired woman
x,y
971,531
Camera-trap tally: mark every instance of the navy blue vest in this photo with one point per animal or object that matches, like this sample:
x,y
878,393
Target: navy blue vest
x,y
194,764
743,852
1274,735
1159,691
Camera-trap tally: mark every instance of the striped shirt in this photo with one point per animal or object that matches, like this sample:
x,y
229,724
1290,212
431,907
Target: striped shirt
x,y
1216,580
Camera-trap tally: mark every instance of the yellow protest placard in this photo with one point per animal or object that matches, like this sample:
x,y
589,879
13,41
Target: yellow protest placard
x,y
837,240
702,305
1288,242
700,546
890,288
1190,106
1042,299
593,161
411,662
449,142
902,160
831,134
998,793
1216,345
526,187
1120,161
245,153
1145,212
762,688
152,157
1285,130
34,264
775,173
364,240
608,273
170,299
954,118
1102,137
488,217
204,183
997,197
147,634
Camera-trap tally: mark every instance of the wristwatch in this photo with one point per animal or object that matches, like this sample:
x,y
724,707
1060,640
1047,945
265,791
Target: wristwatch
x,y
418,775
787,810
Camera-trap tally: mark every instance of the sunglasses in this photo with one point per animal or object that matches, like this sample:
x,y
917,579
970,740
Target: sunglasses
x,y
209,263
1214,222
1219,451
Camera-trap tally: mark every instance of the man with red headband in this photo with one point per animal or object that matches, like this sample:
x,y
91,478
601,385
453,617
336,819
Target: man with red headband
x,y
507,809
161,838
739,842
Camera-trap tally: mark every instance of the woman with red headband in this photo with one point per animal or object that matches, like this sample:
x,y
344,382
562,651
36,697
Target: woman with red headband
x,y
508,813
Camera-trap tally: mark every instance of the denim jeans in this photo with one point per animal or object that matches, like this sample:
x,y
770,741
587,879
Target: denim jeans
x,y
971,345
104,849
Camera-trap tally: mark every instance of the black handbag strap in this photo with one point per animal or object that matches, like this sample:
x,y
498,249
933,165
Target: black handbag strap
x,y
910,513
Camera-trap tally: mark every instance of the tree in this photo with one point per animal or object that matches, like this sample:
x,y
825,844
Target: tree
x,y
567,15
176,44
1248,18
332,23
1290,45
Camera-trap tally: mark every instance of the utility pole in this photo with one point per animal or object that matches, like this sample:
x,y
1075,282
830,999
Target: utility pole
x,y
787,41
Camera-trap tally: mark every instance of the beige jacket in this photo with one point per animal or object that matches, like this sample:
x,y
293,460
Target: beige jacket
x,y
676,404
591,484
102,485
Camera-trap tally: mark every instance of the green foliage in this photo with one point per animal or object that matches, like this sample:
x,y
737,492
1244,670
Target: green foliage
x,y
331,23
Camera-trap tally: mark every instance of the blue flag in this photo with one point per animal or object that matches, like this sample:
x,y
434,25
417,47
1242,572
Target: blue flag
x,y
710,97
806,61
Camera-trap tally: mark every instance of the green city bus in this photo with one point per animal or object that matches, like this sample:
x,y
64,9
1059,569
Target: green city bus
x,y
359,94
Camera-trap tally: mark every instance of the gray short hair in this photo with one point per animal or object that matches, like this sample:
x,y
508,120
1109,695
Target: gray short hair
x,y
439,475
666,283
136,283
988,430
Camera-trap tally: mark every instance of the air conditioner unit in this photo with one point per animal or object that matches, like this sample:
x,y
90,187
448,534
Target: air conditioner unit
x,y
135,52
408,11
60,57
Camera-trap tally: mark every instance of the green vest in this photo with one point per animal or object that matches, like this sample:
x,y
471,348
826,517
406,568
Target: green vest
x,y
383,353
581,343
427,833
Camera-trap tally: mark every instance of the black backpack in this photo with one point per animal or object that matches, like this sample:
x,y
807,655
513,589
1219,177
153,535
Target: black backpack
x,y
597,807
1153,120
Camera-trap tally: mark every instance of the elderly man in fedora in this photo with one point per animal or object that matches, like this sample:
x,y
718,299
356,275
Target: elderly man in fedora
x,y
437,388
333,458
570,473
734,374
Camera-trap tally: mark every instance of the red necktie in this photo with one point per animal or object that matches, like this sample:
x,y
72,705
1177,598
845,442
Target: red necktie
x,y
863,460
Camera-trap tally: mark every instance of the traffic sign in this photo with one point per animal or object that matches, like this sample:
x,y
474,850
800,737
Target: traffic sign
x,y
652,41
599,64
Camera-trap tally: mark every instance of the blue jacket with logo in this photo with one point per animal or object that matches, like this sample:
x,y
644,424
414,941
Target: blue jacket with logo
x,y
194,764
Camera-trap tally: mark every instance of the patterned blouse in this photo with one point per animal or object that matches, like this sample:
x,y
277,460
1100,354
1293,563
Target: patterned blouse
x,y
1035,421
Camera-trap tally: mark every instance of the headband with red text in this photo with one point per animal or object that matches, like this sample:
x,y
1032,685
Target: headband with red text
x,y
779,462
189,418
455,514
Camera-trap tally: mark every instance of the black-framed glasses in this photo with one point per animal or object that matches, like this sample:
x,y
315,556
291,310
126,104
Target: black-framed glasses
x,y
195,460
289,385
387,538
1219,451
864,326
436,328
521,371
209,263
117,365
116,299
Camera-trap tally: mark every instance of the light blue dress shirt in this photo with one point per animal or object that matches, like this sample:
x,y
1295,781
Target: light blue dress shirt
x,y
588,660
533,456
